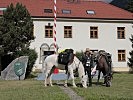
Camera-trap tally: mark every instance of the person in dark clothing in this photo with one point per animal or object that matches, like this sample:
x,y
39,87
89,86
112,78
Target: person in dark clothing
x,y
88,63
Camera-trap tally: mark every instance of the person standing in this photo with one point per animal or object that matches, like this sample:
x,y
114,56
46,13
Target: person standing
x,y
88,63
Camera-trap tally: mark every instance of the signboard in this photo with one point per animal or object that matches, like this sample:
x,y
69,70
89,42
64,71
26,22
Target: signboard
x,y
19,68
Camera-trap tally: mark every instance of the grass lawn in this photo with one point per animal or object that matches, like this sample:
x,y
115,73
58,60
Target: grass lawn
x,y
30,89
121,89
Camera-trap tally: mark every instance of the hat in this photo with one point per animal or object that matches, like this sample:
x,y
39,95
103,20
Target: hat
x,y
87,50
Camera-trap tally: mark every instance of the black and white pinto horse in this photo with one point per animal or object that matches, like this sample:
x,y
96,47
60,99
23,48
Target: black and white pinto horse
x,y
51,62
104,66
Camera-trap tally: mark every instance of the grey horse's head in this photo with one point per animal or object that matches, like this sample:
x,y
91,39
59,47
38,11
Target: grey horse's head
x,y
84,81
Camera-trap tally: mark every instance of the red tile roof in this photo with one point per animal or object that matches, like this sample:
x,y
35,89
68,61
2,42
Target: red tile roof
x,y
78,10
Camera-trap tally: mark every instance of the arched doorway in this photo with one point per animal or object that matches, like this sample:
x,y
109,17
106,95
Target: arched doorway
x,y
46,50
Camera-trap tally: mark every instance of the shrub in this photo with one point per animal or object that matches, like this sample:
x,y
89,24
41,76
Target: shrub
x,y
79,54
32,58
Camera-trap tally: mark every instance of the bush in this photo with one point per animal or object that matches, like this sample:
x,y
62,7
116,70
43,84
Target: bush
x,y
32,58
79,55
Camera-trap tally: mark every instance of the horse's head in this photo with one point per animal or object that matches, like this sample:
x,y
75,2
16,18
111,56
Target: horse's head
x,y
108,79
84,81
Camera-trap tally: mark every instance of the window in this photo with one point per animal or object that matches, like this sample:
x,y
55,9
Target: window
x,y
48,31
90,12
2,8
67,31
66,11
121,55
93,32
48,11
121,32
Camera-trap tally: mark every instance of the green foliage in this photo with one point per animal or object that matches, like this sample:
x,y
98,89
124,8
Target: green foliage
x,y
79,55
130,6
32,58
16,33
130,60
16,28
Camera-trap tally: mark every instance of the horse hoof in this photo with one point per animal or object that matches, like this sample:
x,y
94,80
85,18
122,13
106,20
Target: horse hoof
x,y
85,87
74,86
45,85
65,85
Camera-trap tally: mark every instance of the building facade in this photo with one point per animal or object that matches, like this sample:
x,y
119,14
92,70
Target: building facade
x,y
80,25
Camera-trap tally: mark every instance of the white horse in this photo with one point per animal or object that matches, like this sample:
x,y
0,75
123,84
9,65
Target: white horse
x,y
51,62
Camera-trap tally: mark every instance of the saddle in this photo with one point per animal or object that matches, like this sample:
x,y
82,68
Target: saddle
x,y
108,58
66,57
63,58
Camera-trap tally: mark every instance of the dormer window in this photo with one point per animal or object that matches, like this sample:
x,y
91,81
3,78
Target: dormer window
x,y
90,12
2,8
48,11
64,11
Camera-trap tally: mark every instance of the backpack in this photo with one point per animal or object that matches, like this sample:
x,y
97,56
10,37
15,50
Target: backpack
x,y
63,58
69,51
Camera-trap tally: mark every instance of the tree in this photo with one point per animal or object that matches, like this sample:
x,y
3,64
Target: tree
x,y
124,4
16,29
120,3
130,6
130,60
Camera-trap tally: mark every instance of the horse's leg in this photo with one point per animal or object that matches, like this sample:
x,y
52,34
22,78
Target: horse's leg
x,y
99,72
68,75
104,81
48,73
50,76
50,80
72,75
45,80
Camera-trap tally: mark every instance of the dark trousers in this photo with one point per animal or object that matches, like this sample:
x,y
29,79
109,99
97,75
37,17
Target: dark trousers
x,y
88,72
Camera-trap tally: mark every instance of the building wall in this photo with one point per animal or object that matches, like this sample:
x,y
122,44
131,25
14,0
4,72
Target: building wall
x,y
107,37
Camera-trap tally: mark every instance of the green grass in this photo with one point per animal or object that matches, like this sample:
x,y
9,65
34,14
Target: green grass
x,y
121,89
29,90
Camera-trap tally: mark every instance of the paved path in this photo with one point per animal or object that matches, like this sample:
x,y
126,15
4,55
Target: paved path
x,y
70,92
59,76
67,90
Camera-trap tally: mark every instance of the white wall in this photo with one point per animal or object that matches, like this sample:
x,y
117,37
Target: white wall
x,y
107,38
